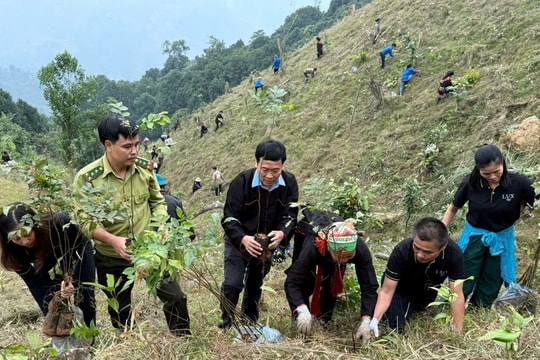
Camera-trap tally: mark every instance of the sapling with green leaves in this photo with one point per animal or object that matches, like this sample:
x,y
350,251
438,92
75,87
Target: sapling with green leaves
x,y
167,251
510,331
446,297
272,102
349,198
412,199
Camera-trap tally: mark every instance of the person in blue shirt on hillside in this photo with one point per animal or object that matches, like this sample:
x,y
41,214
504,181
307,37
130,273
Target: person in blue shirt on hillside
x,y
387,51
276,64
406,75
258,84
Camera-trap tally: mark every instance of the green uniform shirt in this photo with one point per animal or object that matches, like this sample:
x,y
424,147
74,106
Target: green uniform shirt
x,y
139,192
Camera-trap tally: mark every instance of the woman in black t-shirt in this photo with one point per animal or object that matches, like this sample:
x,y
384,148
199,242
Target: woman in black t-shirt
x,y
495,199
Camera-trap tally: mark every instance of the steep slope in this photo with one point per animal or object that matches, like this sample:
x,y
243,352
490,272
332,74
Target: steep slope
x,y
337,129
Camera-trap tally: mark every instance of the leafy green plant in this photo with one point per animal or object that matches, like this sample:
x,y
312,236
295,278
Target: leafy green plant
x,y
147,123
431,150
82,331
352,299
431,153
100,204
446,297
33,350
271,100
472,76
159,255
412,199
508,334
411,46
360,58
461,84
110,288
67,90
349,199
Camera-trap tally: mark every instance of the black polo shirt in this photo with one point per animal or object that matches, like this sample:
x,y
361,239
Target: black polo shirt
x,y
415,279
495,210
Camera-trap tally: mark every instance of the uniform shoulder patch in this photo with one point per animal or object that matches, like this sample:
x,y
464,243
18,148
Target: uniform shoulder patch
x,y
89,176
146,164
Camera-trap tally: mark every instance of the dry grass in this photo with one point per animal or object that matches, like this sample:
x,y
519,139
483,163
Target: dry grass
x,y
382,147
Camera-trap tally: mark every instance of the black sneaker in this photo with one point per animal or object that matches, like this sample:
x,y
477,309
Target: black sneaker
x,y
225,325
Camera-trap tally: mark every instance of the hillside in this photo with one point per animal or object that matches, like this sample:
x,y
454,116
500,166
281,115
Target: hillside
x,y
382,146
338,131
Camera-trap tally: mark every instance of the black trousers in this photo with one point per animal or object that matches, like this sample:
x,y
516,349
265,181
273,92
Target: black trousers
x,y
242,272
174,300
401,310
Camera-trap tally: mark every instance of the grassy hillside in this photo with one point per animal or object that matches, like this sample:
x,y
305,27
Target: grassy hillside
x,y
338,131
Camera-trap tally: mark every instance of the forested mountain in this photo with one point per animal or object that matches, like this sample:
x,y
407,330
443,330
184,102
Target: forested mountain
x,y
184,84
24,85
180,87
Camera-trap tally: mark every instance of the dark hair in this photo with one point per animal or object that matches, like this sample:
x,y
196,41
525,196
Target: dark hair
x,y
12,255
318,38
408,66
394,44
377,19
448,73
431,229
113,126
271,150
485,155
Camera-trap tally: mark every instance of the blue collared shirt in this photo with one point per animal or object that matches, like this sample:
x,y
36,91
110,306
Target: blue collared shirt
x,y
257,182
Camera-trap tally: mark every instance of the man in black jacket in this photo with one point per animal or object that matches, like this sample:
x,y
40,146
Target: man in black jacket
x,y
260,201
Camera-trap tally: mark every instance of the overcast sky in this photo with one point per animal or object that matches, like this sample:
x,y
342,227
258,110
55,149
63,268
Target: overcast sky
x,y
122,38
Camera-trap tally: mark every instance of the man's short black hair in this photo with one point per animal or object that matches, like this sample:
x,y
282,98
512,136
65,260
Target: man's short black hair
x,y
271,150
112,127
431,229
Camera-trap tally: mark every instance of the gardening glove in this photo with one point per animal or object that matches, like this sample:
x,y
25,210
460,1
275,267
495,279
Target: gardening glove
x,y
374,326
303,320
279,255
364,332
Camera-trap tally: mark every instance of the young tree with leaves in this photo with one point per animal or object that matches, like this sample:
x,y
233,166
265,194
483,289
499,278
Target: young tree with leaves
x,y
67,89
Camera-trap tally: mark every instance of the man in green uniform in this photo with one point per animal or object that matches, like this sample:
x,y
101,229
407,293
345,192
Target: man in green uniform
x,y
133,181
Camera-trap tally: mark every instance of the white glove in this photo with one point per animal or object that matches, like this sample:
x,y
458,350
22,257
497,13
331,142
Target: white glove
x,y
364,332
374,326
303,320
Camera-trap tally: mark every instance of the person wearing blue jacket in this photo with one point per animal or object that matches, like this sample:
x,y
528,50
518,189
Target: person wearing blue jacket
x,y
387,51
258,84
276,64
406,75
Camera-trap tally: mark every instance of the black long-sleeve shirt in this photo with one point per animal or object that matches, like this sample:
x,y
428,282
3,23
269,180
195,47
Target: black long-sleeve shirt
x,y
249,210
305,267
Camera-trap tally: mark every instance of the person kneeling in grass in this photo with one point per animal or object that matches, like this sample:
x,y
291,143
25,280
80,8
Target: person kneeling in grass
x,y
415,266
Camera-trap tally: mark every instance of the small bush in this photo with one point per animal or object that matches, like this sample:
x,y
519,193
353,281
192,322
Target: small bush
x,y
360,58
471,77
